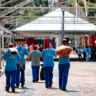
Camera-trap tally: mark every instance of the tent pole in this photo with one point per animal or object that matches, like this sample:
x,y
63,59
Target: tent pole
x,y
62,30
0,41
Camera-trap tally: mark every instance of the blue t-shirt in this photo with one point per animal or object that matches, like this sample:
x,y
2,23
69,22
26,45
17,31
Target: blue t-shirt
x,y
22,51
88,51
64,60
48,55
84,49
11,60
79,51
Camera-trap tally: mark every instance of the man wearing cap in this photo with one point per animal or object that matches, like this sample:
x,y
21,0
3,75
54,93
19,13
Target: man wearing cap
x,y
11,58
64,65
20,78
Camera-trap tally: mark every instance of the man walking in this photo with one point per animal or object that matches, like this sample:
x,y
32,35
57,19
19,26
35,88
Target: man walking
x,y
64,65
11,67
48,55
22,50
35,55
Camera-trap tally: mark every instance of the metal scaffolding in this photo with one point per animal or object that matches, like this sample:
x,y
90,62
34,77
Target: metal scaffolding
x,y
9,15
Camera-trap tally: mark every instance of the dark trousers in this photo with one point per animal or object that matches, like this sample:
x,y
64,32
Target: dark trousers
x,y
63,75
80,56
93,57
35,72
48,75
84,55
20,76
10,79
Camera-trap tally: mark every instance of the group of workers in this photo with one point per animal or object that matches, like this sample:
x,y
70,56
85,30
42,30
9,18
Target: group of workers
x,y
87,53
16,63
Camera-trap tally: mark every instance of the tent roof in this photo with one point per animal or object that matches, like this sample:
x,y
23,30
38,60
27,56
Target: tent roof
x,y
53,22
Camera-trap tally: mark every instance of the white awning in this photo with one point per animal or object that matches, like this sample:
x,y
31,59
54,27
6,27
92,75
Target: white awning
x,y
52,22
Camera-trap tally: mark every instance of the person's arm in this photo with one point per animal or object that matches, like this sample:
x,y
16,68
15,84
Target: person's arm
x,y
28,54
26,51
28,57
55,53
19,58
4,56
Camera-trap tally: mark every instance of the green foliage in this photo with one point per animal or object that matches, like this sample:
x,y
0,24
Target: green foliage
x,y
81,4
30,15
43,3
92,1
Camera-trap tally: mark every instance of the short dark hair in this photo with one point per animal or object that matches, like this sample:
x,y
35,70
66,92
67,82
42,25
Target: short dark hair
x,y
20,40
10,45
64,41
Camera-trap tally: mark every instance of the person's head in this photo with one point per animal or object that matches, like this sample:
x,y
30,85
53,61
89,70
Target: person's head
x,y
10,45
35,47
21,42
64,41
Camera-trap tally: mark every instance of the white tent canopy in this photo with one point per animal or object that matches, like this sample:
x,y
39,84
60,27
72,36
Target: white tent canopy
x,y
52,22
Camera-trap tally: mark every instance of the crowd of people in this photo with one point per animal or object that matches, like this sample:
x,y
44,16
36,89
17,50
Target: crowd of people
x,y
86,53
16,64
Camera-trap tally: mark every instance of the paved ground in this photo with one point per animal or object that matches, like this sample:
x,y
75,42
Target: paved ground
x,y
82,82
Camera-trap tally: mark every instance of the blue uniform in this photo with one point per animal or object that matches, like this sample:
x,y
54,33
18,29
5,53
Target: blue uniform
x,y
88,54
10,68
22,51
79,52
64,65
48,55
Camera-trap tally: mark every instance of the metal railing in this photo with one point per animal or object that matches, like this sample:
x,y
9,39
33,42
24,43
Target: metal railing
x,y
12,9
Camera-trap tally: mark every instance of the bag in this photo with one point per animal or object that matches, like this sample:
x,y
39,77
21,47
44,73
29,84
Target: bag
x,y
63,51
42,73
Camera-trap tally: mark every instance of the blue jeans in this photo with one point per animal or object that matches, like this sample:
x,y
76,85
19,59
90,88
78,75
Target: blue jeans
x,y
63,75
35,72
10,79
87,57
48,75
20,77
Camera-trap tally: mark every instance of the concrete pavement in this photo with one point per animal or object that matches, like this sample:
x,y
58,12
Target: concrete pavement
x,y
2,68
81,82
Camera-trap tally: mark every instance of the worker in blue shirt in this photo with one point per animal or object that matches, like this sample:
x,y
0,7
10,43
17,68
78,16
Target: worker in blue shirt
x,y
10,68
48,65
88,53
20,78
79,52
64,66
